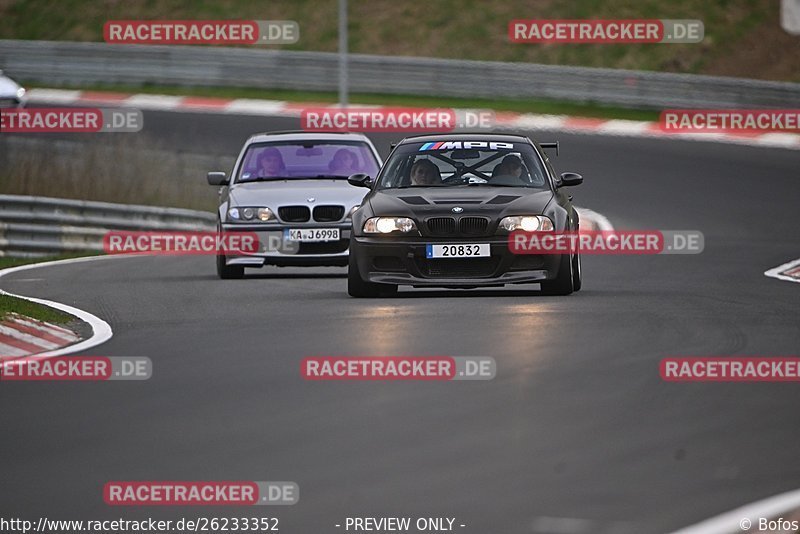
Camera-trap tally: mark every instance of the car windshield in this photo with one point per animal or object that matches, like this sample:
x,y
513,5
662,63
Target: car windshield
x,y
463,163
306,159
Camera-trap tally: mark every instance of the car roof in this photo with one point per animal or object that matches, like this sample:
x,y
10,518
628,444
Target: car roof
x,y
300,135
478,136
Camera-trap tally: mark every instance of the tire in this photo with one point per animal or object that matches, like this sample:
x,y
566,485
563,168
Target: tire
x,y
358,288
229,272
577,275
562,285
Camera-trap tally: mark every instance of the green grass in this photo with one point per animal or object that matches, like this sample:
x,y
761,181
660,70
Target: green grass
x,y
459,29
8,261
522,106
9,304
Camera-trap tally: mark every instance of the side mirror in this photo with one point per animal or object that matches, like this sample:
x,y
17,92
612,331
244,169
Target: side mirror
x,y
571,178
360,180
217,178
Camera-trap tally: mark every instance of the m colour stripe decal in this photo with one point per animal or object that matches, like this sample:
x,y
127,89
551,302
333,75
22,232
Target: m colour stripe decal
x,y
431,146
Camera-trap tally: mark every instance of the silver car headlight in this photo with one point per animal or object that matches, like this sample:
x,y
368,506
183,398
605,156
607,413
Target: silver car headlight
x,y
250,214
20,92
387,225
527,223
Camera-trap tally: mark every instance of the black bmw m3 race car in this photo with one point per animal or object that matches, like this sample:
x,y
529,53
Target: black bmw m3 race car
x,y
442,208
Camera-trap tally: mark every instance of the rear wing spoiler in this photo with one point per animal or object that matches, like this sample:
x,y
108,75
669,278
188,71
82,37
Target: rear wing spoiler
x,y
553,144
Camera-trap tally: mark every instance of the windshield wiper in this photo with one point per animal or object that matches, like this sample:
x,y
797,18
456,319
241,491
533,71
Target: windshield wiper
x,y
264,179
472,184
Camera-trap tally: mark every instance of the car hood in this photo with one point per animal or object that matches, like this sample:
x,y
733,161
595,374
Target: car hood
x,y
297,192
8,87
476,200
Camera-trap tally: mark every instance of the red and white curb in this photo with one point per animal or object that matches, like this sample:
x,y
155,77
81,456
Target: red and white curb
x,y
49,341
22,336
504,120
789,272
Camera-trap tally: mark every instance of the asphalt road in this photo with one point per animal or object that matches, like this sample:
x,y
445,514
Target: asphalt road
x,y
577,423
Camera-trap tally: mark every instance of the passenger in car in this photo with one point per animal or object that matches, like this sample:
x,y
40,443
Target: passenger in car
x,y
510,166
270,163
344,162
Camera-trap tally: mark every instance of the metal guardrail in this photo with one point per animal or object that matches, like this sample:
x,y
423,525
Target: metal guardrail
x,y
42,226
55,62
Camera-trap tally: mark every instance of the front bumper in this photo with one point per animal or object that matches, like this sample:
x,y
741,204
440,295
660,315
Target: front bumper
x,y
403,261
276,249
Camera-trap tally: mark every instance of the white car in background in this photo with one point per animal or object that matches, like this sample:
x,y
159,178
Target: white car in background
x,y
12,95
291,189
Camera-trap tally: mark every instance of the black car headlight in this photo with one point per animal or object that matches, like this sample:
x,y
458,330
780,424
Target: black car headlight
x,y
389,225
527,223
250,214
